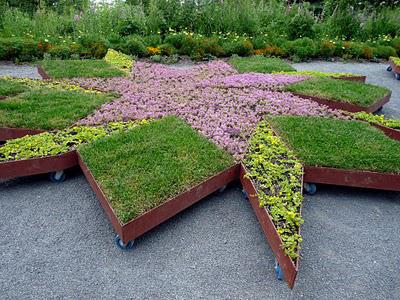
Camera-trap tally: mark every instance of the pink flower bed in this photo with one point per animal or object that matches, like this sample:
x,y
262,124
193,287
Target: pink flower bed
x,y
225,113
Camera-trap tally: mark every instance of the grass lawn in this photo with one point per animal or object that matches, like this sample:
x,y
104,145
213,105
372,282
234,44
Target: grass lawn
x,y
48,108
145,166
356,93
9,88
80,68
260,64
338,143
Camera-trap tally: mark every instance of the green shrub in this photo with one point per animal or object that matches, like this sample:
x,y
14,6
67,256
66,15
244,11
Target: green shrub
x,y
301,24
152,40
300,49
60,51
210,46
326,49
241,46
134,45
19,49
396,45
354,50
93,46
384,52
167,49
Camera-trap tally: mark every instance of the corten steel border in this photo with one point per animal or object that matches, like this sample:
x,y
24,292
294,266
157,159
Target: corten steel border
x,y
14,133
395,68
288,266
390,132
35,166
43,73
147,221
351,78
353,178
346,106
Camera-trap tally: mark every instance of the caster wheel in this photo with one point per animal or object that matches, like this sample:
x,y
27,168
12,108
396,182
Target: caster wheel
x,y
310,188
379,110
221,190
245,195
389,69
57,177
120,244
397,76
278,272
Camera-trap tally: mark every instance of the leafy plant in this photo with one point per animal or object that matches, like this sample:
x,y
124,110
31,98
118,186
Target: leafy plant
x,y
260,64
59,142
278,177
377,119
119,60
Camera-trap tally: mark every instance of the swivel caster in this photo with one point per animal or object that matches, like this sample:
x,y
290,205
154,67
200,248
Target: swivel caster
x,y
120,244
310,188
389,69
379,110
222,189
245,195
397,76
278,271
57,177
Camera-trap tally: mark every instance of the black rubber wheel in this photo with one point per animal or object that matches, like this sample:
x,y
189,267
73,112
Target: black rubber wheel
x,y
389,69
57,177
120,244
397,76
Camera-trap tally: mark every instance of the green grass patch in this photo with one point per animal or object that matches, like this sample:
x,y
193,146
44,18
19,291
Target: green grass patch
x,y
260,64
144,167
356,93
46,109
344,144
10,88
80,68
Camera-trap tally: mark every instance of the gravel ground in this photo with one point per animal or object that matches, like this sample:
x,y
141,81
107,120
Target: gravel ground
x,y
22,71
56,243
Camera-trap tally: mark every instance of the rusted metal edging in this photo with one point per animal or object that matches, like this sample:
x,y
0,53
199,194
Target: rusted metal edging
x,y
346,106
7,133
145,222
288,266
35,166
43,73
351,78
353,178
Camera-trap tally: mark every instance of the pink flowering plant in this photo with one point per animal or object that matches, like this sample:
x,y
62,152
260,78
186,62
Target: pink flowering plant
x,y
213,98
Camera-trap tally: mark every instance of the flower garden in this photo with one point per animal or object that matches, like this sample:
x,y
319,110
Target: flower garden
x,y
153,139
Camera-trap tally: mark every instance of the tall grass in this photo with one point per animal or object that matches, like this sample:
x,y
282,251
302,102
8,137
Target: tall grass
x,y
275,17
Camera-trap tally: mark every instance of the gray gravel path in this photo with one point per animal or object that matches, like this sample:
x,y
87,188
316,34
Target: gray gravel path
x,y
21,71
56,242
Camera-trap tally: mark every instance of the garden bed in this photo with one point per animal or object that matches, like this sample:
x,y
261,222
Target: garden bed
x,y
345,95
332,75
78,68
260,64
390,127
394,66
146,175
342,152
45,108
272,178
289,267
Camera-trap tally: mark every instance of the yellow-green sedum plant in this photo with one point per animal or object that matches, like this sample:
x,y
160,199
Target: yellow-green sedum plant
x,y
120,60
277,175
59,142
